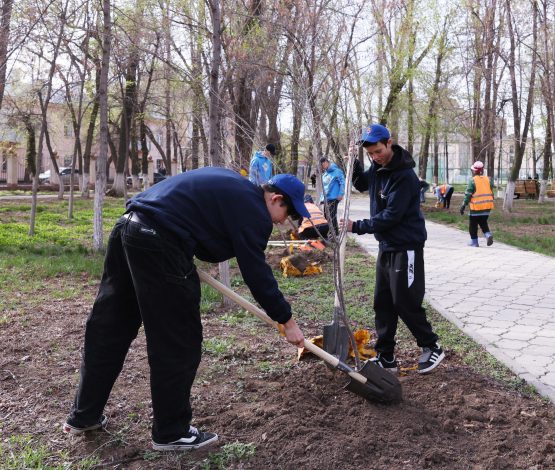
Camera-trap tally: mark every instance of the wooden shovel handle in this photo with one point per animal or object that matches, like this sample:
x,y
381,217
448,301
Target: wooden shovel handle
x,y
332,360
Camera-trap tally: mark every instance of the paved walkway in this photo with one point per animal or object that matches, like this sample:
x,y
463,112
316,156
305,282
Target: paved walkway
x,y
501,296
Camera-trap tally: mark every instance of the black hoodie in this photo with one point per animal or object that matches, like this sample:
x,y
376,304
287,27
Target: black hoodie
x,y
217,214
395,216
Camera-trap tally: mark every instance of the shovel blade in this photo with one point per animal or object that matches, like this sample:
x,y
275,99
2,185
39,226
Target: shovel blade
x,y
381,385
336,340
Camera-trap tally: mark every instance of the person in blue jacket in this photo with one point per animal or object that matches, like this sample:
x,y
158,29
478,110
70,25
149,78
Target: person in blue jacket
x,y
149,278
333,180
398,224
260,170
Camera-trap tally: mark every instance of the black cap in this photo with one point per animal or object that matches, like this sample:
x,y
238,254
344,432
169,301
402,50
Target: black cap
x,y
271,148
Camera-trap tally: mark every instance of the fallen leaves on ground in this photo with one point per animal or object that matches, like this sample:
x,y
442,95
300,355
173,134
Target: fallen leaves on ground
x,y
362,338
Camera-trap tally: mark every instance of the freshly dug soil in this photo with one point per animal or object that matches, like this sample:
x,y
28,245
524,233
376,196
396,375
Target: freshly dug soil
x,y
297,414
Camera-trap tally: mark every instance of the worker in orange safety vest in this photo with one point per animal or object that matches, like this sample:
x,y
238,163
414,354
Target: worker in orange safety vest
x,y
479,195
444,193
316,225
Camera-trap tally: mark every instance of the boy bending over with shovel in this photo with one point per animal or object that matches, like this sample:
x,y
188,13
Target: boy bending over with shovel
x,y
150,279
398,224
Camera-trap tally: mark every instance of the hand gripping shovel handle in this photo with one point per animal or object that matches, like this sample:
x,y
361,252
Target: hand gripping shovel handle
x,y
332,360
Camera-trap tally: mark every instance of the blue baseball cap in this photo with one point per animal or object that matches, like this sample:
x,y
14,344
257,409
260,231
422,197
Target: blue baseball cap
x,y
373,134
294,188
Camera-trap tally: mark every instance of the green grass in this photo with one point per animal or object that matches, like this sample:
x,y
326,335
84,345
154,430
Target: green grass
x,y
528,226
230,453
218,346
60,247
24,452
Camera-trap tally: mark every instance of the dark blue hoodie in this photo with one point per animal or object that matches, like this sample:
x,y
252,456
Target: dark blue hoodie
x,y
396,219
217,215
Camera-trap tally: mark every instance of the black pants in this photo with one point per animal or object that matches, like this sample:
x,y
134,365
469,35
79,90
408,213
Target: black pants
x,y
147,279
331,214
447,198
399,293
310,233
474,221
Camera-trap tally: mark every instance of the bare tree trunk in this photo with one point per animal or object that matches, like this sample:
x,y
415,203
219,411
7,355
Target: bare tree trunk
x,y
141,114
100,185
546,159
195,147
446,149
129,104
549,98
167,101
435,177
242,107
198,99
214,146
295,137
410,115
431,124
51,152
520,135
5,22
44,109
90,134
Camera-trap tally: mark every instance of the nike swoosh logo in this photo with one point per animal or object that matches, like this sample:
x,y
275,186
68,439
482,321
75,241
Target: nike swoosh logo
x,y
398,270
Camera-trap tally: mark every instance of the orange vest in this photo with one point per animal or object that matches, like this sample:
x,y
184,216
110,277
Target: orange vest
x,y
316,215
482,199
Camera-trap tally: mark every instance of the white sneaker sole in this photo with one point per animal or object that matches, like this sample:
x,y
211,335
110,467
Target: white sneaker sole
x,y
69,429
434,365
183,447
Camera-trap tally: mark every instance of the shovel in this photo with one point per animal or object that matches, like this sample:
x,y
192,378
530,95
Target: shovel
x,y
371,383
336,334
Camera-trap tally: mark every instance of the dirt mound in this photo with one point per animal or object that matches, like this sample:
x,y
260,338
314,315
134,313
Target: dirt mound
x,y
297,415
451,419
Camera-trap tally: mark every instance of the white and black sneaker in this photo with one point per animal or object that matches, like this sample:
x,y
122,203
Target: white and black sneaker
x,y
193,440
71,426
430,359
389,364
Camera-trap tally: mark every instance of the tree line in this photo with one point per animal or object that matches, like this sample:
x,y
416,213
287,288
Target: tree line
x,y
226,77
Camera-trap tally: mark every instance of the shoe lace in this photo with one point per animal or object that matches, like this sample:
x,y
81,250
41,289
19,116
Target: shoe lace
x,y
193,430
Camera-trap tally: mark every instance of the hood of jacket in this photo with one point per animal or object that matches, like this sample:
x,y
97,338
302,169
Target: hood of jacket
x,y
401,160
332,168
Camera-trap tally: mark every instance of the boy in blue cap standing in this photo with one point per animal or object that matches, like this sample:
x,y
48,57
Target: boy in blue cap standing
x,y
398,224
150,278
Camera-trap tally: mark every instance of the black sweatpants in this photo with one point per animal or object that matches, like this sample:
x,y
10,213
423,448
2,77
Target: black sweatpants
x,y
331,214
147,279
399,293
477,220
310,233
447,197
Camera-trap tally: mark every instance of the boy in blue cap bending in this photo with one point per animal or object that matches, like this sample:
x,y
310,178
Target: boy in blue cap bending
x,y
149,278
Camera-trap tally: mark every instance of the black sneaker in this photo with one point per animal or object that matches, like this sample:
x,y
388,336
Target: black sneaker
x,y
193,440
430,359
71,426
489,239
389,365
